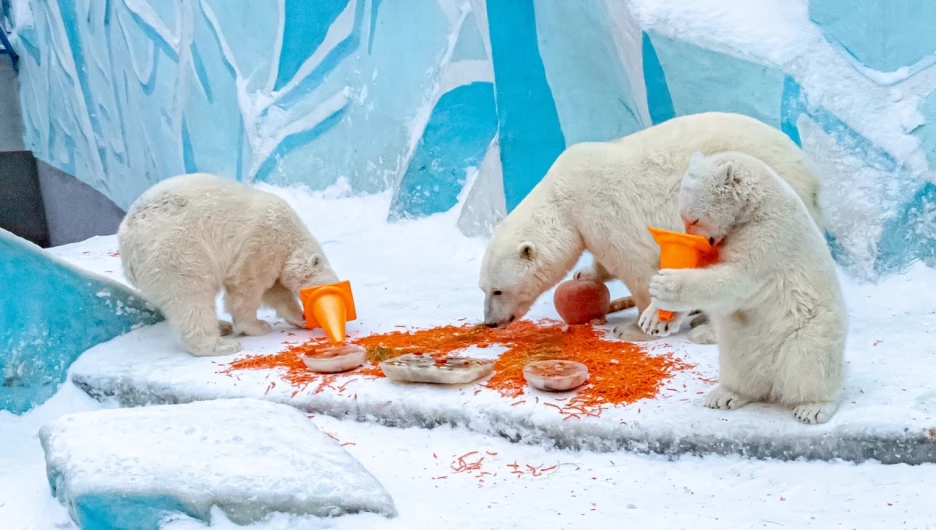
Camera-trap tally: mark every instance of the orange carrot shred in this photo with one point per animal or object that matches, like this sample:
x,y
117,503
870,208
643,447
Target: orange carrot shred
x,y
633,375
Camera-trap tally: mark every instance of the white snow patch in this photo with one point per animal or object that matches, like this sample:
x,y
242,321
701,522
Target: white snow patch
x,y
424,273
251,457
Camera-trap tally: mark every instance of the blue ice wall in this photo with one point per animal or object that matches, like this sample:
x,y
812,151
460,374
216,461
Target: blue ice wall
x,y
50,313
411,96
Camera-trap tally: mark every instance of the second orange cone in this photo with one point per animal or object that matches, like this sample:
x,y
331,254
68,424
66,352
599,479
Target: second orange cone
x,y
682,251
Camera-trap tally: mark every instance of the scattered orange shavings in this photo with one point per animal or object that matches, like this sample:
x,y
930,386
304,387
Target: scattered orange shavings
x,y
618,372
460,465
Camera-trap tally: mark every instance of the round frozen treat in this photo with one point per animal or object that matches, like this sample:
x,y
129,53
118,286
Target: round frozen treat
x,y
555,376
334,359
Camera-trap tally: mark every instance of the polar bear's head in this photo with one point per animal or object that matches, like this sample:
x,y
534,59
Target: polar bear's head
x,y
527,255
307,266
509,281
711,198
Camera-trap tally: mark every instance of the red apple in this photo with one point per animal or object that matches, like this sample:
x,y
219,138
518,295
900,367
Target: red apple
x,y
581,301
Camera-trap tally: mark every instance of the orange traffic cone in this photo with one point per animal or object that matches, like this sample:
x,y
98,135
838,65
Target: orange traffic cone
x,y
329,307
682,251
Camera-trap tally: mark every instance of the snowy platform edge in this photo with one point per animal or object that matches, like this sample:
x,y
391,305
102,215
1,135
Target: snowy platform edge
x,y
896,445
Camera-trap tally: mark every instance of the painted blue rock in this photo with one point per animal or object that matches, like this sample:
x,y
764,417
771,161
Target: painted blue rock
x,y
130,469
458,134
579,45
688,79
51,312
529,131
881,35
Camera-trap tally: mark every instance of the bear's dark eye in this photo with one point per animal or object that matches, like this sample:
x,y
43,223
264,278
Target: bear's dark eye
x,y
497,293
711,241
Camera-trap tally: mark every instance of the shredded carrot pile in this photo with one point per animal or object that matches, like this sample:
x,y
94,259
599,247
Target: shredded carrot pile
x,y
618,372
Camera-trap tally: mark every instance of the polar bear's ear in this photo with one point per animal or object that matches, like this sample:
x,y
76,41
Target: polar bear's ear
x,y
695,158
527,250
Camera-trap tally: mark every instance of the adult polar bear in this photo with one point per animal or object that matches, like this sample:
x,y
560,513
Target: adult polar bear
x,y
601,196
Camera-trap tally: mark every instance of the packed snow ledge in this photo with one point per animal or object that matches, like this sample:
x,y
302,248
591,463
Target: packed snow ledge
x,y
424,273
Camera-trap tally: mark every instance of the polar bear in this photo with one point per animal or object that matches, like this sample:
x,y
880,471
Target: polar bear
x,y
190,236
601,196
773,298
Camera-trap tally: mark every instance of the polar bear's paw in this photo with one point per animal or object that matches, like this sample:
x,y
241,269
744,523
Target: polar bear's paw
x,y
217,346
253,328
815,413
697,318
631,332
666,287
723,399
703,334
587,273
225,328
227,346
651,323
292,316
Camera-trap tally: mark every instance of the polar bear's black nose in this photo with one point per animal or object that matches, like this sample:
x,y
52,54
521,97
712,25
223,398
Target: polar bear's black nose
x,y
491,324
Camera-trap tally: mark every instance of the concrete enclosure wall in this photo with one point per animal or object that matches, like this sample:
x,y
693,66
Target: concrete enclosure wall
x,y
466,103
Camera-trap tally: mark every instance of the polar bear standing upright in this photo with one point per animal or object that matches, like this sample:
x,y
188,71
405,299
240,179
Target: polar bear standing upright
x,y
602,196
773,297
190,236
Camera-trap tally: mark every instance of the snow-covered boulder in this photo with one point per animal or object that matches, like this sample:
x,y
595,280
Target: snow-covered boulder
x,y
50,312
132,468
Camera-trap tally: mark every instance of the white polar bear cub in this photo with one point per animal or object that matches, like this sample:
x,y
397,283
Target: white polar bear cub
x,y
190,236
773,297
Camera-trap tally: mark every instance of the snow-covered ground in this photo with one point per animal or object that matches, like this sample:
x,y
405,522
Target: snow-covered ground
x,y
424,273
586,490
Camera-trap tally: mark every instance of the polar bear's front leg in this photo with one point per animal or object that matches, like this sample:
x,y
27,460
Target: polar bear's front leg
x,y
242,302
722,288
631,331
195,320
284,302
651,324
